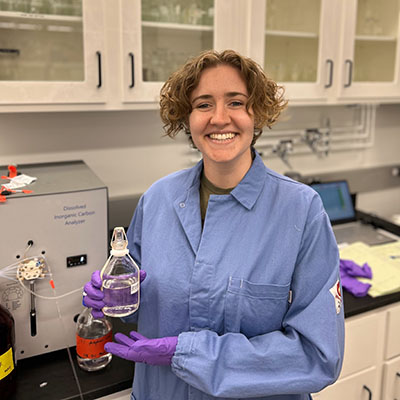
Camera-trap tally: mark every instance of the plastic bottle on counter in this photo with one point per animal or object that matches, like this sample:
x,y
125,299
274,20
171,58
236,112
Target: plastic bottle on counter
x,y
91,336
8,373
120,276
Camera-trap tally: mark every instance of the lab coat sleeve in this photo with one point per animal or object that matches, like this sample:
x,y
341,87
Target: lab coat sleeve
x,y
134,235
303,357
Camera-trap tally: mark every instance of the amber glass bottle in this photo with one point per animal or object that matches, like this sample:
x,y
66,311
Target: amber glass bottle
x,y
8,378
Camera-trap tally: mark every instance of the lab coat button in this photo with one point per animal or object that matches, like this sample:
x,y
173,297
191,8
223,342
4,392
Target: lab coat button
x,y
182,205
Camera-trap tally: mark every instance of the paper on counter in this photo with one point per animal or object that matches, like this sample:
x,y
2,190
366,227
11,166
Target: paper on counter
x,y
389,252
385,271
19,181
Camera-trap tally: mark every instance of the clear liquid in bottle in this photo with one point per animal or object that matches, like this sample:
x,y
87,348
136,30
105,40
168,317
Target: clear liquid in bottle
x,y
91,336
121,279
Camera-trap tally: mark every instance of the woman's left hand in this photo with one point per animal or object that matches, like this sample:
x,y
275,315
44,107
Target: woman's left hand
x,y
138,348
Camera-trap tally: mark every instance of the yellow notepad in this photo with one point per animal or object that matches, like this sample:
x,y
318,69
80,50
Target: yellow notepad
x,y
384,264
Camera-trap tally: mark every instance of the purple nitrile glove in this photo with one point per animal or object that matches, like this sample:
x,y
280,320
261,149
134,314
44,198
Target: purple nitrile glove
x,y
349,270
93,295
138,348
353,269
354,286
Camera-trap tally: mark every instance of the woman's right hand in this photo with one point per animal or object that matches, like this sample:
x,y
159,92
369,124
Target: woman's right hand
x,y
94,295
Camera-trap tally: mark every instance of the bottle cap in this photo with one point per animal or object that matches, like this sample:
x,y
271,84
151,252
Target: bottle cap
x,y
119,242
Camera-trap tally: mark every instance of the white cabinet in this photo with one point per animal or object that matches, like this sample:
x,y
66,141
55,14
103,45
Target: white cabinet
x,y
158,36
369,62
51,55
371,366
361,386
329,51
391,380
363,343
295,43
392,348
391,367
115,55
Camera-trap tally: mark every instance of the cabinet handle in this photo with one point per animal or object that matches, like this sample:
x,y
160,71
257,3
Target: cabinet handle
x,y
330,63
349,81
132,57
10,51
397,376
99,68
369,392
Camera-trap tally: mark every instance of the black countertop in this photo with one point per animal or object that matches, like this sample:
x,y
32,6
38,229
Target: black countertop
x,y
50,376
358,305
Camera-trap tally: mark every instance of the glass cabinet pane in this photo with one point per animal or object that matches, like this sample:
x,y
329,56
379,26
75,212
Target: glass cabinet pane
x,y
292,40
173,31
41,40
376,41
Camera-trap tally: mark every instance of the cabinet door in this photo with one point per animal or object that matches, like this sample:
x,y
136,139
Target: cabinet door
x,y
157,37
361,386
369,66
51,52
364,342
294,42
393,333
391,380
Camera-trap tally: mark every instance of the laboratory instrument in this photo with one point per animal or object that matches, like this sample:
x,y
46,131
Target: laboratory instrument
x,y
51,241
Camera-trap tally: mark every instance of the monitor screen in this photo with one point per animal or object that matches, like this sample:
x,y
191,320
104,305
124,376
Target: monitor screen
x,y
337,200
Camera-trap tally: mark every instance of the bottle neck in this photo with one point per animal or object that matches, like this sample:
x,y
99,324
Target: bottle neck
x,y
119,253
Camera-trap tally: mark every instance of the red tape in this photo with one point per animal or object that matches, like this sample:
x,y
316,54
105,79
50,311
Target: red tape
x,y
12,171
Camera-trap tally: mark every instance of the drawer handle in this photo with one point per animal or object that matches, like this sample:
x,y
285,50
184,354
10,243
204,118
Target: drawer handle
x,y
369,392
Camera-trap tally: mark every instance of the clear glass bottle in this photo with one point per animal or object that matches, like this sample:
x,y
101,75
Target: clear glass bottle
x,y
91,336
120,276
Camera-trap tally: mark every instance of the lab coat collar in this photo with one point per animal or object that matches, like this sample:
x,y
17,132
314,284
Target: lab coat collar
x,y
187,203
249,188
187,206
246,192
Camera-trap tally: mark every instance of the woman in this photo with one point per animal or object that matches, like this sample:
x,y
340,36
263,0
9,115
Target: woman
x,y
242,297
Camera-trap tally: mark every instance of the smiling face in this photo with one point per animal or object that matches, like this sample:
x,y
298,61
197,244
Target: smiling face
x,y
221,127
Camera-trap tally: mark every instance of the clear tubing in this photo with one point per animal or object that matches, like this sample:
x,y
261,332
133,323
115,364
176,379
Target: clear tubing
x,y
10,272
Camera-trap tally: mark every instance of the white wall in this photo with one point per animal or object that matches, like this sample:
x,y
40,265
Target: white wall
x,y
127,151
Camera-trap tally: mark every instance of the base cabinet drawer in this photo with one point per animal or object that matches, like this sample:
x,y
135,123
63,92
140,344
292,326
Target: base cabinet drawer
x,y
361,386
391,380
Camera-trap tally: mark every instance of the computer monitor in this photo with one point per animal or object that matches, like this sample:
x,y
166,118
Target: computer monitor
x,y
337,201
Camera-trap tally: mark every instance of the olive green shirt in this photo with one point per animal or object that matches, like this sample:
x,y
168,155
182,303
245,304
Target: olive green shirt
x,y
206,189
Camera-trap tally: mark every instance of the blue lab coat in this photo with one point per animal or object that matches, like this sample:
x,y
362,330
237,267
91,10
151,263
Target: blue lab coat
x,y
253,296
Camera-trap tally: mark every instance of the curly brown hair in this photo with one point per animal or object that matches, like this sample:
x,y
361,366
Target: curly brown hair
x,y
265,97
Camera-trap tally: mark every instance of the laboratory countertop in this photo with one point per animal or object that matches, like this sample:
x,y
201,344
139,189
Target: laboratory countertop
x,y
50,376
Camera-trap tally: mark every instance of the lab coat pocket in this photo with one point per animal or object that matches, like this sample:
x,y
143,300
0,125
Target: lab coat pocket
x,y
254,308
